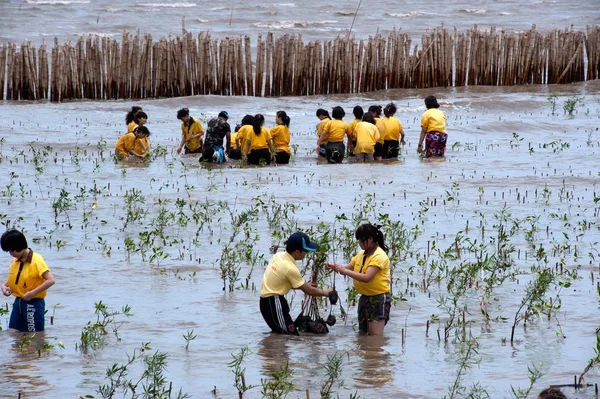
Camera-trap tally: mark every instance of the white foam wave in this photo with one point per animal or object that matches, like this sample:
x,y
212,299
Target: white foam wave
x,y
504,13
284,5
345,13
220,8
474,10
292,24
113,10
56,2
172,5
203,21
404,14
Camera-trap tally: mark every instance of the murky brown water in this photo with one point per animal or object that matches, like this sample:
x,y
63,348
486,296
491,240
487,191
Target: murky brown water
x,y
166,303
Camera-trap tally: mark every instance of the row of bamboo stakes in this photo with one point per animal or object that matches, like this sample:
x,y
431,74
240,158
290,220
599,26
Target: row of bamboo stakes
x,y
138,67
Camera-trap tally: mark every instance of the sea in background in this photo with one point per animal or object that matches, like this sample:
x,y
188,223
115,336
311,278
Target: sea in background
x,y
507,149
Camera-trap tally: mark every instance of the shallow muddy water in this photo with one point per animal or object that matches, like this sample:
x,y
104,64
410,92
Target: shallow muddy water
x,y
505,150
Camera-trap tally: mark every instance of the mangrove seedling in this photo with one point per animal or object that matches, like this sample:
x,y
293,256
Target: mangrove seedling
x,y
534,374
189,337
238,369
571,104
333,369
280,384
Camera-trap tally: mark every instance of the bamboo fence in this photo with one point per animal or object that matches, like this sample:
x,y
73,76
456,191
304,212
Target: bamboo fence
x,y
139,67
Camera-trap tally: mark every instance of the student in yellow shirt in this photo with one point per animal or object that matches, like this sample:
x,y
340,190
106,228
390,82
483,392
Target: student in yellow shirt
x,y
394,133
133,144
28,280
129,118
332,136
259,146
324,117
376,111
433,129
238,139
191,133
367,135
280,277
358,115
281,138
370,270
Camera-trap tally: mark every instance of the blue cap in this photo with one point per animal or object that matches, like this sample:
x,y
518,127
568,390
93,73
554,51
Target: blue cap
x,y
301,241
224,114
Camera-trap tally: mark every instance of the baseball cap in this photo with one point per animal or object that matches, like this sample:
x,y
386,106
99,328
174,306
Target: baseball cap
x,y
301,241
224,114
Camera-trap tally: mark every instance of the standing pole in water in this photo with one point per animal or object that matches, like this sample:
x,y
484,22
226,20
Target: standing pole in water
x,y
231,15
354,19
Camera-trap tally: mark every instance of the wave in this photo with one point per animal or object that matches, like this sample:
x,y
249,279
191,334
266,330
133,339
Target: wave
x,y
202,21
172,5
504,13
113,10
345,13
281,5
291,24
56,2
404,14
473,11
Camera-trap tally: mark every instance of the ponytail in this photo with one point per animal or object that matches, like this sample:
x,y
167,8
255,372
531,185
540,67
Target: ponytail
x,y
368,230
130,115
285,119
257,124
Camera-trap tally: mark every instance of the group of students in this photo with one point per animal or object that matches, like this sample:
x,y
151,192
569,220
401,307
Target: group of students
x,y
373,137
370,136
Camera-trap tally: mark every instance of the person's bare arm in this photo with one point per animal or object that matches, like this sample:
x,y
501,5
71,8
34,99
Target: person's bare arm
x,y
49,282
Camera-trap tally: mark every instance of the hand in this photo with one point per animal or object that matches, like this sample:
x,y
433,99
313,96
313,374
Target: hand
x,y
402,141
28,296
335,267
6,290
420,147
314,283
178,150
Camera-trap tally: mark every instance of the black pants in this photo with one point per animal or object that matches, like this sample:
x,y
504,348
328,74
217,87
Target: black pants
x,y
235,153
196,151
391,149
276,312
259,157
335,151
282,157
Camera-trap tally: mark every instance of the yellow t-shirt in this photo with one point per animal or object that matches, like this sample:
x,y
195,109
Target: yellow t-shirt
x,y
30,277
381,281
233,142
335,130
434,120
352,128
281,138
320,126
128,142
242,135
367,135
258,141
393,127
281,275
382,129
131,127
192,130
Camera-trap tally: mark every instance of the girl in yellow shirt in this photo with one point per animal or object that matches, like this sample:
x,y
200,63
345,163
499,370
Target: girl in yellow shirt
x,y
367,135
259,145
394,133
133,144
129,118
281,138
238,140
376,111
324,117
191,133
358,115
370,270
433,130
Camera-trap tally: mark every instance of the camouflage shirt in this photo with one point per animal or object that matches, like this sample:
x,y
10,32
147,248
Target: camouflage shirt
x,y
216,132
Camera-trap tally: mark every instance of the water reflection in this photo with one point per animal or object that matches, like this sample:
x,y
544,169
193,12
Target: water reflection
x,y
374,361
273,349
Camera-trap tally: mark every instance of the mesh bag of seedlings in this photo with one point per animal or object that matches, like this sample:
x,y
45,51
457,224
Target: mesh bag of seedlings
x,y
309,319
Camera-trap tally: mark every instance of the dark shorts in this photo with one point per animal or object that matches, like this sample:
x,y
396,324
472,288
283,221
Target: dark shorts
x,y
27,316
391,149
276,312
235,153
322,151
334,152
282,157
373,308
259,157
378,150
188,151
435,144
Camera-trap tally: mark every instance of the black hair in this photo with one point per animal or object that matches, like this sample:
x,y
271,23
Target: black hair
x,y
285,119
13,240
358,112
552,393
248,120
390,109
323,112
375,109
257,123
138,115
223,114
431,102
368,117
367,230
182,112
338,112
131,114
142,130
